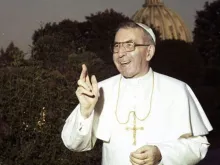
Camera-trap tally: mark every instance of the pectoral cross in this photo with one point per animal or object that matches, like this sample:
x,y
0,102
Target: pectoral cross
x,y
134,128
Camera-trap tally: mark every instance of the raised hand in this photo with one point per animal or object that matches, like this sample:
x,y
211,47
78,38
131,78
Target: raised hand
x,y
87,92
146,155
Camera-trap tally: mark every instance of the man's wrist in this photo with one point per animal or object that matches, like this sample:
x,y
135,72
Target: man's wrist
x,y
86,113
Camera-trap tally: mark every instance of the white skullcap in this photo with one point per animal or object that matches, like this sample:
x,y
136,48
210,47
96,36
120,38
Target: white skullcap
x,y
149,30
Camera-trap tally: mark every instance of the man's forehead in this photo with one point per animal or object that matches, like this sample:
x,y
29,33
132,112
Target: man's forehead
x,y
127,34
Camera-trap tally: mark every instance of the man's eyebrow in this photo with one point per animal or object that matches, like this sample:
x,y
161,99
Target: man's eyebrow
x,y
128,41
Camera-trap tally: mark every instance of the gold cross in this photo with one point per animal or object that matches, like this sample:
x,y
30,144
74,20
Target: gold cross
x,y
134,128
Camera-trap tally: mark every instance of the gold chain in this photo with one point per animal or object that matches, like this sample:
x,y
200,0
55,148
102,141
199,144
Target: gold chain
x,y
119,86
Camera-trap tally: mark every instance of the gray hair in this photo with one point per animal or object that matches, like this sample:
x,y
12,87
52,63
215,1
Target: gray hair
x,y
147,30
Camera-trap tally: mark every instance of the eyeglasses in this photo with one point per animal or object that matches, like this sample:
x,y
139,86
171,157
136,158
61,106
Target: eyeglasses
x,y
129,46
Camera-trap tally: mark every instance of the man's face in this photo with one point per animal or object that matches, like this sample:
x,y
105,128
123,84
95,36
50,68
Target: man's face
x,y
131,64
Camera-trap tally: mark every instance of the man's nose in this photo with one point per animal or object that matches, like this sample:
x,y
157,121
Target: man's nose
x,y
121,50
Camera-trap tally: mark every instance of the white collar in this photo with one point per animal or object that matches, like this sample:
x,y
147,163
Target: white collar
x,y
138,80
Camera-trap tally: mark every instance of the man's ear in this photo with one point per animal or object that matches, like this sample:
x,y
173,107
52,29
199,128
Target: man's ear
x,y
150,53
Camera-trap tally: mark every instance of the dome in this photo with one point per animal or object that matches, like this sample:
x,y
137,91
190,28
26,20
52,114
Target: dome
x,y
167,22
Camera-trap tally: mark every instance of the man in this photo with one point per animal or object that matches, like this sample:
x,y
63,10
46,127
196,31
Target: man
x,y
142,117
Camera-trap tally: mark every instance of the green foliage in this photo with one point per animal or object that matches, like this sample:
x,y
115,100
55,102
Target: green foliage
x,y
95,65
52,49
206,32
34,104
102,27
212,77
54,42
2,52
12,56
179,59
24,94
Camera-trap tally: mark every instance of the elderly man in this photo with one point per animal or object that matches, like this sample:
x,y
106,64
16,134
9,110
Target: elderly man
x,y
142,117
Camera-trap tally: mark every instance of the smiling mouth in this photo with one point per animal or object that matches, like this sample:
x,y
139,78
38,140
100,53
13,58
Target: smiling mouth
x,y
125,62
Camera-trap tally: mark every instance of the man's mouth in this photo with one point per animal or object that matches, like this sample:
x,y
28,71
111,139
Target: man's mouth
x,y
124,62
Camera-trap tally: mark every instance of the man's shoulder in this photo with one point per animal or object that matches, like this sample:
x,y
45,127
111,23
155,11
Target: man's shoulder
x,y
171,88
109,81
170,82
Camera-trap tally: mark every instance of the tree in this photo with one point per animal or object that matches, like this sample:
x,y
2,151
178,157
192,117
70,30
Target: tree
x,y
66,27
34,104
95,64
100,29
2,52
12,56
179,59
206,32
52,50
54,42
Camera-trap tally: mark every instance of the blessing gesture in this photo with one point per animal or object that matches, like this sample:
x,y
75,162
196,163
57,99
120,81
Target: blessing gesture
x,y
87,92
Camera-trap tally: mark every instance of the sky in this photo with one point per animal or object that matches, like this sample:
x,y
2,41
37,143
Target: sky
x,y
20,18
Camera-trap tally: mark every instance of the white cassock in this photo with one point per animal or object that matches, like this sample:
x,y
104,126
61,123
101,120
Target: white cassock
x,y
176,122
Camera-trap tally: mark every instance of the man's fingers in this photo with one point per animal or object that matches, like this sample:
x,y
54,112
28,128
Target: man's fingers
x,y
89,86
142,149
147,154
139,155
138,161
88,82
84,77
95,85
82,91
133,163
83,84
83,73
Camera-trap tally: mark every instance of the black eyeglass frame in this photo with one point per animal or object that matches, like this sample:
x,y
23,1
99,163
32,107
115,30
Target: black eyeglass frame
x,y
121,43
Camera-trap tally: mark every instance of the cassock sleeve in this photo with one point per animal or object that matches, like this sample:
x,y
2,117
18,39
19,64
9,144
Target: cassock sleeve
x,y
191,145
200,124
77,132
184,151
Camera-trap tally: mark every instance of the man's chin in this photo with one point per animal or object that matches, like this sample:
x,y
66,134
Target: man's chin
x,y
127,75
